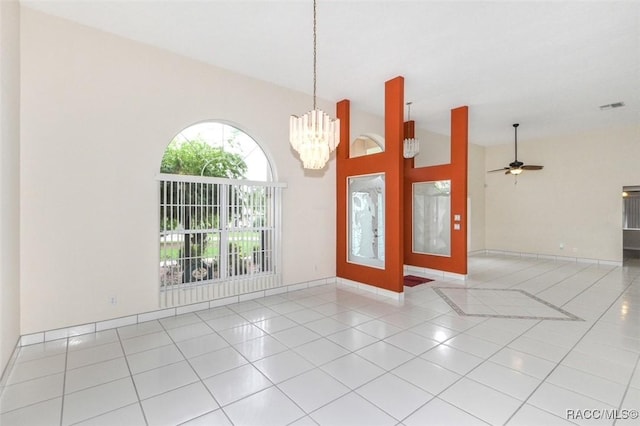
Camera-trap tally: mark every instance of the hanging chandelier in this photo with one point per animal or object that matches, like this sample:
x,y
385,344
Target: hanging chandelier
x,y
314,135
410,145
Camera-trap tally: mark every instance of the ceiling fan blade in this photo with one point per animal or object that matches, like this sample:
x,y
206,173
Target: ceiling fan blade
x,y
531,167
498,170
507,172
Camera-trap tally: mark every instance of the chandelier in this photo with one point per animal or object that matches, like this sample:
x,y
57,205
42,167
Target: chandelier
x,y
314,135
410,145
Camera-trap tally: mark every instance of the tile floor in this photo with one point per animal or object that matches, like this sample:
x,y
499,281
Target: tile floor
x,y
331,356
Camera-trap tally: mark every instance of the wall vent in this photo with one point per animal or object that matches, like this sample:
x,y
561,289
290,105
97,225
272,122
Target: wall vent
x,y
611,106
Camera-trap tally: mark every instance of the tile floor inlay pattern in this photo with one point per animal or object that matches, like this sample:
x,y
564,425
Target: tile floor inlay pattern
x,y
334,357
501,303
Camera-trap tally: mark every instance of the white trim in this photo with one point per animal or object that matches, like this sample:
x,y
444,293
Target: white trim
x,y
32,339
432,273
320,282
194,307
117,322
69,332
609,263
224,301
224,181
350,284
547,257
551,257
529,255
474,252
251,296
162,313
274,291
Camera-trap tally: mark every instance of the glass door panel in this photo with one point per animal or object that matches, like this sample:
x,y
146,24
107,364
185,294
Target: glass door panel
x,y
432,218
366,220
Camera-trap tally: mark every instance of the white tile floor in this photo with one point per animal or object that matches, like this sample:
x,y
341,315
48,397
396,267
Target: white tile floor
x,y
330,356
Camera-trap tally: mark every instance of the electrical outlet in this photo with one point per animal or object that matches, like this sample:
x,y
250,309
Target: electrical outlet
x,y
113,300
561,246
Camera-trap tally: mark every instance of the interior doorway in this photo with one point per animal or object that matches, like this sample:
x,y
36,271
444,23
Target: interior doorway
x,y
631,224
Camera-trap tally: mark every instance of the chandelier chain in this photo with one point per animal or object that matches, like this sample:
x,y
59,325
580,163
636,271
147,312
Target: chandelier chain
x,y
314,135
314,54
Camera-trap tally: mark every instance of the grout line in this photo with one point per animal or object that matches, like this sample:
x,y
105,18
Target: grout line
x,y
568,352
135,387
487,359
108,412
200,379
375,310
64,381
4,378
624,395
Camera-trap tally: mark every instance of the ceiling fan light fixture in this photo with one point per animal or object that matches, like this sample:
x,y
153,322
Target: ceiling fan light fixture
x,y
516,167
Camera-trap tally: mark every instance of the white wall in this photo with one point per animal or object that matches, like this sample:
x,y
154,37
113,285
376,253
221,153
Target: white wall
x,y
476,192
97,114
9,178
434,148
575,200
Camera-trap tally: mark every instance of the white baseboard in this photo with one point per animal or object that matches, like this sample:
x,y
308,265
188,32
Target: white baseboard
x,y
432,273
603,262
355,285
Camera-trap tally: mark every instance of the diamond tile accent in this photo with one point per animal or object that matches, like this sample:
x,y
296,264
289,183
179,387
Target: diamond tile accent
x,y
501,303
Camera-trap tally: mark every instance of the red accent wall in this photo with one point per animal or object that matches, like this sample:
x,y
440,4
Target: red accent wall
x,y
389,162
457,172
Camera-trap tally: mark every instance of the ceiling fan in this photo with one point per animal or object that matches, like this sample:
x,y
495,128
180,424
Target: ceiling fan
x,y
516,167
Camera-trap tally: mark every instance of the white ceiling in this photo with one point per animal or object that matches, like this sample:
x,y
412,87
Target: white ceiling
x,y
546,65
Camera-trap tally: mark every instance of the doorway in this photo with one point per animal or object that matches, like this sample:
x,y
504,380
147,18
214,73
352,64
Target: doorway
x,y
631,224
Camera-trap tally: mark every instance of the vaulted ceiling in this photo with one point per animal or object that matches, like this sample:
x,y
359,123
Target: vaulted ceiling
x,y
547,65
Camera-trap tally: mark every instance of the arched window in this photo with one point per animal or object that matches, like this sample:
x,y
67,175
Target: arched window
x,y
366,144
228,141
219,216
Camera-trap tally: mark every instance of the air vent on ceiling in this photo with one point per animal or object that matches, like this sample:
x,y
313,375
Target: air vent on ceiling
x,y
611,106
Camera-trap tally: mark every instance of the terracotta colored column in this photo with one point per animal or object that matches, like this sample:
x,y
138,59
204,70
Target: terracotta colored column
x,y
390,162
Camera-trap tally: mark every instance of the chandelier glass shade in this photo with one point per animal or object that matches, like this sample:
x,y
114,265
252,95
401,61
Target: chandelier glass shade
x,y
314,135
411,147
410,144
